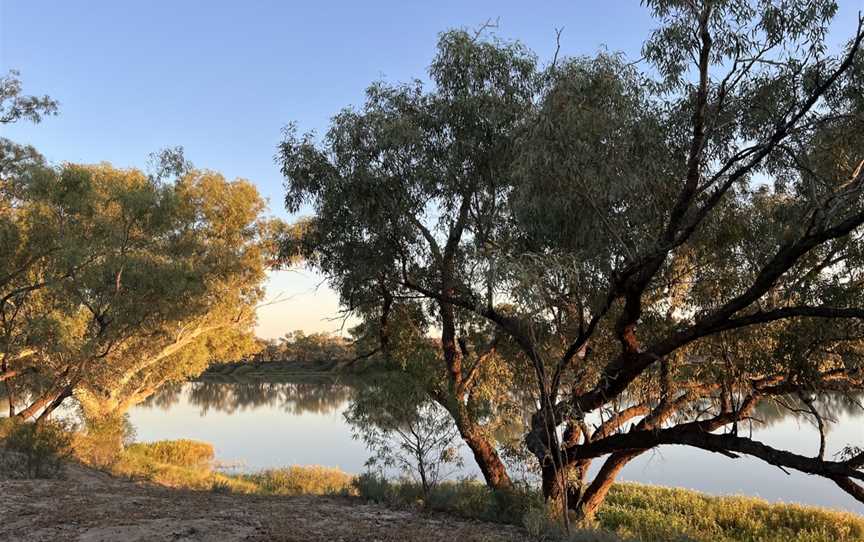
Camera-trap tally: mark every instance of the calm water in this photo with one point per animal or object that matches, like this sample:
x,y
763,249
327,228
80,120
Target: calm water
x,y
255,425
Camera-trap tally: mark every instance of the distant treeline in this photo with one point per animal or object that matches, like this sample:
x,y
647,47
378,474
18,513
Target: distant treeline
x,y
298,347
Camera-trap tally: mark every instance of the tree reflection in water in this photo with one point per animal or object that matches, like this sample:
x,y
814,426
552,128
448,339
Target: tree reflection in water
x,y
322,395
314,396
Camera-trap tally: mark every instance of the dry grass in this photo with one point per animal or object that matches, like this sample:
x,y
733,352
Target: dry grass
x,y
182,453
631,512
302,480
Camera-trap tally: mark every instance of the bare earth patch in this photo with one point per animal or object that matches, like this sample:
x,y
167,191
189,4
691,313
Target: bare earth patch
x,y
90,506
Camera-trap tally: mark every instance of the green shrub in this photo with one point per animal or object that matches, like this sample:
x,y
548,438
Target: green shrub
x,y
221,486
43,446
180,453
373,487
7,425
302,480
103,440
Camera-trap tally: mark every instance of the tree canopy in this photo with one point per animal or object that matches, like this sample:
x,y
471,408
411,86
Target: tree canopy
x,y
115,282
657,245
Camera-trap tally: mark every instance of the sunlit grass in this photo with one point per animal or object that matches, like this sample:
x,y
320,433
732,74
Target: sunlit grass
x,y
305,480
651,513
635,512
631,511
183,452
187,464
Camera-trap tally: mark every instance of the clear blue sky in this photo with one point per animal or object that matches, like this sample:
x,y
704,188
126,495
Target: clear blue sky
x,y
222,78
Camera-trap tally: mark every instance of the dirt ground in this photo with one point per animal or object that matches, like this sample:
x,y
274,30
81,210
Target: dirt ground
x,y
90,506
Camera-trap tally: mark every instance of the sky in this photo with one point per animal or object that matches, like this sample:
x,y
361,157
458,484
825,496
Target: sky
x,y
221,78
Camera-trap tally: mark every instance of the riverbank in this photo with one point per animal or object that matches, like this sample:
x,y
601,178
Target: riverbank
x,y
169,491
91,506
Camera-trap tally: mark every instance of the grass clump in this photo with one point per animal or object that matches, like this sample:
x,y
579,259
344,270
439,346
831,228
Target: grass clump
x,y
181,464
305,480
187,464
181,453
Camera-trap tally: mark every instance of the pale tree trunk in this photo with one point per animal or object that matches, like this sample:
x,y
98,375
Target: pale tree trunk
x,y
64,394
97,406
40,403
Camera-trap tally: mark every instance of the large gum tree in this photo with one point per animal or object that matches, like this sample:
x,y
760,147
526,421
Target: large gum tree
x,y
411,184
669,242
114,282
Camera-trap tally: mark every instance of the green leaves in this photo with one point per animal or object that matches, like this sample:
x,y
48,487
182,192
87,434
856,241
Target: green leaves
x,y
120,282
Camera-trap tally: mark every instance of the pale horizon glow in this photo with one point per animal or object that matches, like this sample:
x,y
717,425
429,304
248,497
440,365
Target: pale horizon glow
x,y
299,300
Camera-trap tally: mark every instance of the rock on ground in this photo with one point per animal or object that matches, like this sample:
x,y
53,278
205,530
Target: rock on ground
x,y
90,506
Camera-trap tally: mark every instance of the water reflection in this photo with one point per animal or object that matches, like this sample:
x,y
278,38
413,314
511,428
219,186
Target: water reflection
x,y
315,396
266,424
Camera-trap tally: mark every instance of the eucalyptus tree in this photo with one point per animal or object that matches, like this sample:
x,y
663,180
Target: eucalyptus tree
x,y
18,257
140,282
689,242
669,245
414,183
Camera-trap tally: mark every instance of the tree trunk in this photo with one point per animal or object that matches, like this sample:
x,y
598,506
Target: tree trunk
x,y
564,488
58,400
487,458
596,493
10,390
38,404
10,395
485,455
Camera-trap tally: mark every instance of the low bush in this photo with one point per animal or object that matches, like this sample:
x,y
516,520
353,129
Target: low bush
x,y
465,498
42,447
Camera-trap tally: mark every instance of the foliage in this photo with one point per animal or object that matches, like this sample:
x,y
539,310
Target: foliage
x,y
103,440
15,106
404,430
44,446
117,283
114,282
414,181
321,348
661,244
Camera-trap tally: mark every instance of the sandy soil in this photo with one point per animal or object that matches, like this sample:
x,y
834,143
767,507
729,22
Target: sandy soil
x,y
90,506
